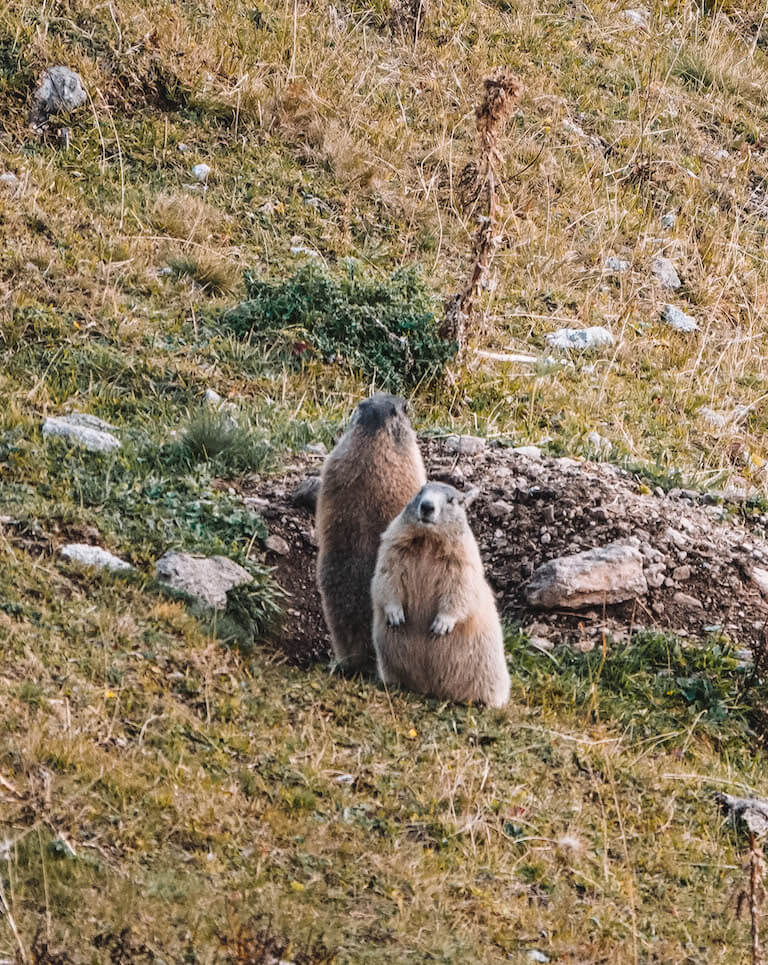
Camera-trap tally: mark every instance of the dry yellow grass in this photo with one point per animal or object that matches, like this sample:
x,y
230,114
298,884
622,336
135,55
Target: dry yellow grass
x,y
190,782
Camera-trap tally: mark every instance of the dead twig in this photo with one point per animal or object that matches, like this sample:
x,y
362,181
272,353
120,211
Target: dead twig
x,y
501,94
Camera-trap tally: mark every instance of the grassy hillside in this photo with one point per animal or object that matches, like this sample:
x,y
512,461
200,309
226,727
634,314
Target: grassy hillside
x,y
156,779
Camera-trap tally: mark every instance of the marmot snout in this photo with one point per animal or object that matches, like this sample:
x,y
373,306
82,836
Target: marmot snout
x,y
436,628
371,474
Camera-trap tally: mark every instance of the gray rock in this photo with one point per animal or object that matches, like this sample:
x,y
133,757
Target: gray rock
x,y
89,421
663,269
612,263
60,91
201,172
212,397
316,449
681,573
93,556
205,578
677,319
669,220
760,579
464,445
85,430
606,574
687,601
528,452
276,544
752,810
580,339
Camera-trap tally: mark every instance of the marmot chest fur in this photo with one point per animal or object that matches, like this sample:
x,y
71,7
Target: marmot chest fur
x,y
436,628
371,474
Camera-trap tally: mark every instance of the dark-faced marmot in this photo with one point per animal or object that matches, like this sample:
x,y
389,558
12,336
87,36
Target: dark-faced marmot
x,y
372,472
436,628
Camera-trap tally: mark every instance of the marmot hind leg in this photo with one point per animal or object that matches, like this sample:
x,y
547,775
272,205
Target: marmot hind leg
x,y
346,597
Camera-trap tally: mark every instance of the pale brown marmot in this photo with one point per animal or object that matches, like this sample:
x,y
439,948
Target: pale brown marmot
x,y
436,628
372,472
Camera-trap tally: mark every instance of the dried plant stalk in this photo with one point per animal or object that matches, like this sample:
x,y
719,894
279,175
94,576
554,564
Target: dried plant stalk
x,y
501,94
756,893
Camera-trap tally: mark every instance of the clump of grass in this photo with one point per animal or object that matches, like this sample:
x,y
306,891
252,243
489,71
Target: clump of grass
x,y
227,438
212,273
387,330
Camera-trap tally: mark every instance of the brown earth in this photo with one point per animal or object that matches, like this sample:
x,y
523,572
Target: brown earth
x,y
531,510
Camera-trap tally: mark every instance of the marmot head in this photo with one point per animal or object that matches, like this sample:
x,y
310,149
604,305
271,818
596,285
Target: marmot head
x,y
382,412
436,505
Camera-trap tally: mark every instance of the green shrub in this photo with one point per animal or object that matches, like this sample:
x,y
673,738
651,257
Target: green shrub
x,y
387,330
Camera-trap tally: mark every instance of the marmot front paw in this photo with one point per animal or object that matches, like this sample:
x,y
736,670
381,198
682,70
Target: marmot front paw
x,y
442,624
395,615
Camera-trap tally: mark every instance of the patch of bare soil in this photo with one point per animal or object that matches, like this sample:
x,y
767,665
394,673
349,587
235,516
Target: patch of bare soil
x,y
698,565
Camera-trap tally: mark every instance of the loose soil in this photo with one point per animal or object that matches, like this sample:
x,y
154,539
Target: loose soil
x,y
532,510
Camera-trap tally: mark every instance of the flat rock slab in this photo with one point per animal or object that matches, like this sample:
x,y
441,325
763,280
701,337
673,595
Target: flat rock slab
x,y
580,339
607,574
205,578
93,556
465,445
85,430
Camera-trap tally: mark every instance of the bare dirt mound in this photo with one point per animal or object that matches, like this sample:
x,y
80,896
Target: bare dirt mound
x,y
699,566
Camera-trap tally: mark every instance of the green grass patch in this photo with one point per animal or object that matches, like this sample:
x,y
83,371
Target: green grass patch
x,y
387,330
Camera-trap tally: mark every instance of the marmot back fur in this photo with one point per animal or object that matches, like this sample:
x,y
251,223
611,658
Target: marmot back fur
x,y
436,628
370,475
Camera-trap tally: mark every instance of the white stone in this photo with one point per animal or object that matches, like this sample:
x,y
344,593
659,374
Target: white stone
x,y
9,180
93,556
639,17
212,397
678,320
606,574
205,578
303,250
201,172
580,339
665,272
612,263
669,220
80,428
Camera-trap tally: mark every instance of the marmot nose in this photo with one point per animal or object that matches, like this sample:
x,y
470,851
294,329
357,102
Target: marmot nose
x,y
426,508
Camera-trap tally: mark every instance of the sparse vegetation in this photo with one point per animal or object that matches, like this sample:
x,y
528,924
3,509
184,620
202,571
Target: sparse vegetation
x,y
165,782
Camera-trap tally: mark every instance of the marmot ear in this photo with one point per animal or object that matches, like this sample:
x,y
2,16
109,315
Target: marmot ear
x,y
467,498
